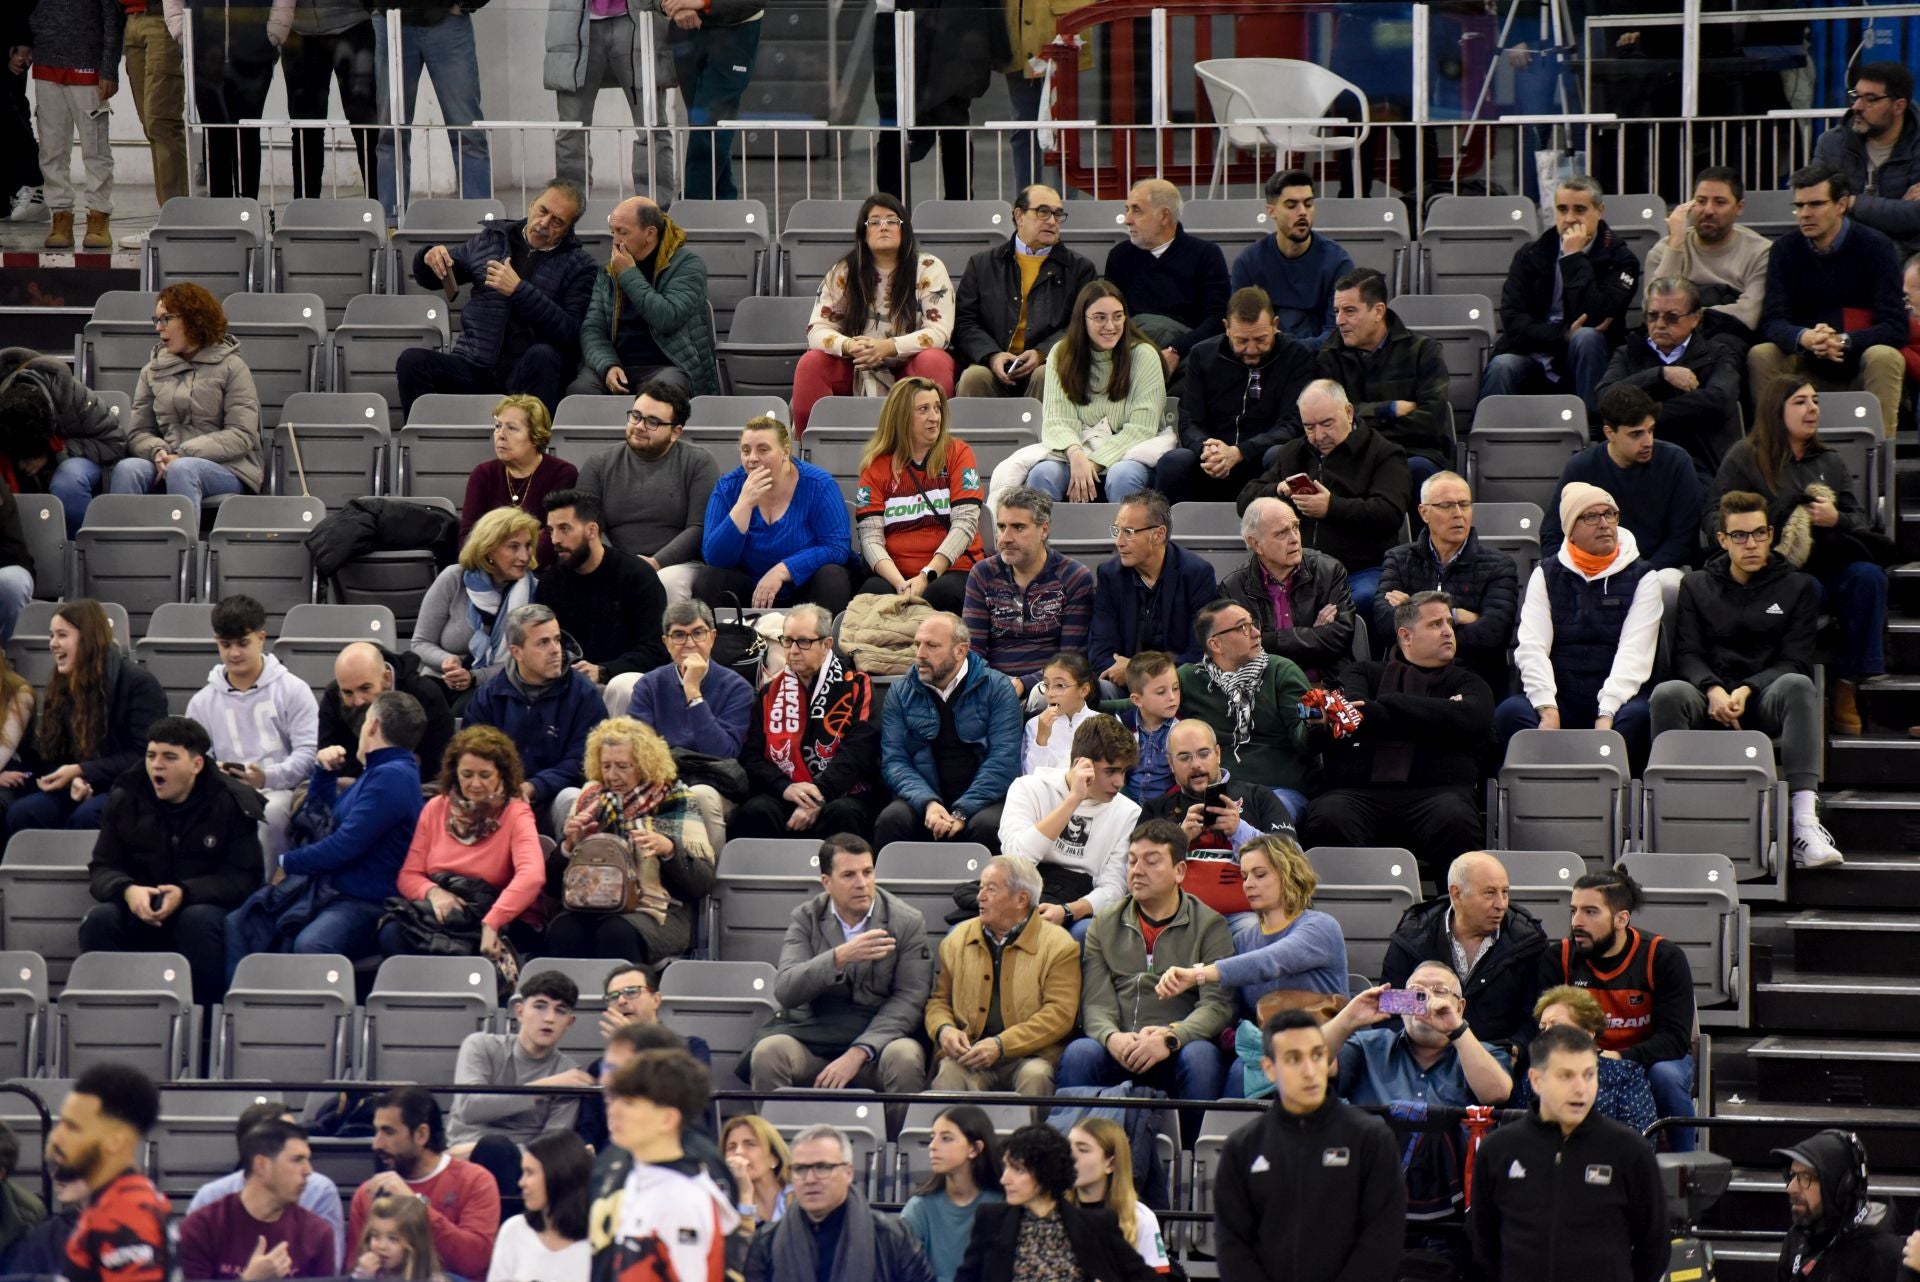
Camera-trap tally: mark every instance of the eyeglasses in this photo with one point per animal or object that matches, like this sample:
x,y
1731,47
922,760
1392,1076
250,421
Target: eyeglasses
x,y
1133,531
803,643
1605,516
692,636
1246,627
1866,99
163,319
1744,537
1802,1179
1435,990
636,419
628,993
1048,213
816,1170
1451,506
1106,318
883,224
1670,318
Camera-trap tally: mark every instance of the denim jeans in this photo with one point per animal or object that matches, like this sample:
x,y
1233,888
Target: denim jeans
x,y
16,589
1578,369
713,66
1025,93
192,479
1634,721
74,483
345,926
38,809
1050,477
1859,596
446,50
1672,1084
1195,1072
1363,586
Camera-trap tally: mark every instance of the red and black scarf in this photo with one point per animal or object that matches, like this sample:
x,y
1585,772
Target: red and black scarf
x,y
802,737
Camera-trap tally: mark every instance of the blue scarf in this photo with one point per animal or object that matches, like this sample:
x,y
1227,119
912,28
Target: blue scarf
x,y
488,645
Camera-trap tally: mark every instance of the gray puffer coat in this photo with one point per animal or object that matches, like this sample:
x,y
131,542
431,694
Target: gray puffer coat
x,y
202,406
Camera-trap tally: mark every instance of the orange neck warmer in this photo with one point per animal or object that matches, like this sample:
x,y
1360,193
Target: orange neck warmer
x,y
1586,562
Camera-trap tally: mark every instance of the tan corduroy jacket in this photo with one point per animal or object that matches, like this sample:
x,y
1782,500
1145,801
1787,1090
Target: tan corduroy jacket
x,y
1039,993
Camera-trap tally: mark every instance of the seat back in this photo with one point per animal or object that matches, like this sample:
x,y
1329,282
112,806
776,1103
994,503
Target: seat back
x,y
1084,531
258,546
924,873
369,339
1373,230
179,650
1366,889
192,1142
764,344
955,230
816,235
436,461
1513,528
1639,220
1565,790
587,410
1692,900
758,882
24,1120
23,1012
589,976
43,520
911,1167
1231,224
118,342
731,413
1467,243
334,247
438,221
215,241
138,550
1715,791
333,446
287,1017
283,338
1519,444
1769,212
312,636
1850,424
1216,1128
1541,881
733,237
723,1002
1463,325
1093,228
133,1008
418,1013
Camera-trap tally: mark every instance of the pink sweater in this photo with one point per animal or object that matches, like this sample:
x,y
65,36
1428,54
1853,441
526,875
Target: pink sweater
x,y
511,857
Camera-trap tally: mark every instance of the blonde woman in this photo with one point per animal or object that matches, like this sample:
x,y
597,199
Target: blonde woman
x,y
762,1166
521,472
1103,1176
634,792
461,633
919,500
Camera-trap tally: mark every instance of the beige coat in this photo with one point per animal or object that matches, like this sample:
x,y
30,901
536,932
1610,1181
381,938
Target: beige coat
x,y
202,406
1039,993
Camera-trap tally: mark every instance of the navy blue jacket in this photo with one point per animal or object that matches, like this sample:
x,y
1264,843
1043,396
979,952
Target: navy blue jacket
x,y
374,821
1659,501
986,714
1860,273
1189,283
549,729
551,311
1186,583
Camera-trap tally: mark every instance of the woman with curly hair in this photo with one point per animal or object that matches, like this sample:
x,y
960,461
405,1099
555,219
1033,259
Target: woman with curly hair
x,y
93,726
476,853
196,413
461,632
634,796
521,472
919,500
1038,1234
883,311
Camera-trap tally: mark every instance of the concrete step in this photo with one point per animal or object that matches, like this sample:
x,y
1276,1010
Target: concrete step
x,y
1878,760
1830,1003
1857,1072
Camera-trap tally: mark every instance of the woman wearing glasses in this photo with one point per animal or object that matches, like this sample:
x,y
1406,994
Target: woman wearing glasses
x,y
461,633
196,413
919,500
883,311
521,473
1820,526
776,530
1106,391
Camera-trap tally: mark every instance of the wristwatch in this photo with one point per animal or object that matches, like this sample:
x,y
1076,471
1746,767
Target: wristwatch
x,y
1458,1033
1172,1041
930,573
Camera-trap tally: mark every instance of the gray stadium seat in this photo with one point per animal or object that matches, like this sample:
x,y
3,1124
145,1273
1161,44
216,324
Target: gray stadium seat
x,y
258,546
1374,232
335,247
24,1120
312,637
1209,527
178,650
846,413
1008,1112
1084,531
331,445
287,1017
1513,528
43,895
437,460
1563,790
764,344
43,520
589,974
1093,227
396,580
865,1125
420,1010
1366,889
283,338
377,327
1467,243
27,647
215,241
138,550
1231,224
1715,791
967,416
1463,325
23,1012
816,235
1519,444
591,228
1850,424
118,342
955,230
192,1143
1769,213
733,412
1693,901
133,1008
1541,881
437,221
1215,1129
924,873
453,409
758,883
1639,219
724,1002
733,238
588,410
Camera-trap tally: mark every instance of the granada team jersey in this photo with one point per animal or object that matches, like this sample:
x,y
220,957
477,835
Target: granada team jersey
x,y
121,1235
917,505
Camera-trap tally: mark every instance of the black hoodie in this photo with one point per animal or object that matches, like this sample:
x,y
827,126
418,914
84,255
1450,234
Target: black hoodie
x,y
1847,1241
1730,634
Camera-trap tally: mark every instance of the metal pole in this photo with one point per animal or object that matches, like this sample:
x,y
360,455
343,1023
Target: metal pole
x,y
1422,113
1157,77
396,110
193,124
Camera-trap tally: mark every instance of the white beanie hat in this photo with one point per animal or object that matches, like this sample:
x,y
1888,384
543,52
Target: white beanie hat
x,y
1577,498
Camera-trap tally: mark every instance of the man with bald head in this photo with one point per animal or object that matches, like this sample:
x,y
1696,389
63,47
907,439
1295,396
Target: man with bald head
x,y
1016,300
362,673
1218,813
1175,285
647,317
1493,944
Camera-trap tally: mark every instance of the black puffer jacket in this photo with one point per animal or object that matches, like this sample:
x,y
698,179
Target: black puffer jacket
x,y
1501,990
549,306
1319,582
382,525
1600,284
85,425
1411,367
208,845
1479,579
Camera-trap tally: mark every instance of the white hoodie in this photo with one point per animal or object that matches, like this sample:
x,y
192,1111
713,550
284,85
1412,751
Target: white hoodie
x,y
1639,634
1094,841
275,725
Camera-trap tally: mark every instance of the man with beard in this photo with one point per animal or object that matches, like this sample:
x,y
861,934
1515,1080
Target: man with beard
x,y
1218,813
1396,379
463,1203
363,673
1837,1233
1252,700
1643,982
1707,245
1566,1192
1879,150
608,601
121,1235
653,490
1296,268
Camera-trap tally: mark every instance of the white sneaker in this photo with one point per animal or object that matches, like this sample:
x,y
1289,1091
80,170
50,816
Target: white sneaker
x,y
1813,847
29,206
134,240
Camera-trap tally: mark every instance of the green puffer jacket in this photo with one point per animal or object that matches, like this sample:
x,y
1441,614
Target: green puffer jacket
x,y
673,305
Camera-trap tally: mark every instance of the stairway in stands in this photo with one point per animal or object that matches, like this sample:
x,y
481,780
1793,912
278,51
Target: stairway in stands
x,y
1836,970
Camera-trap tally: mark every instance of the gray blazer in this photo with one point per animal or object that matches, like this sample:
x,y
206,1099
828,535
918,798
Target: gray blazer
x,y
896,987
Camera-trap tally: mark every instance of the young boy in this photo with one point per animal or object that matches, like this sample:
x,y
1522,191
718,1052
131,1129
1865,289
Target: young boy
x,y
672,1220
1153,688
263,720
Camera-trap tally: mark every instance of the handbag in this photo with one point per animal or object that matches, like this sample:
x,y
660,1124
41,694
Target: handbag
x,y
738,645
602,876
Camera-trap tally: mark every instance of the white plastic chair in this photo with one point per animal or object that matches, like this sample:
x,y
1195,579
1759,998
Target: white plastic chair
x,y
1279,89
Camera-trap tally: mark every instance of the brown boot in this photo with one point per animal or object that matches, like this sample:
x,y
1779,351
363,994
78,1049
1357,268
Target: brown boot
x,y
1843,707
60,236
98,237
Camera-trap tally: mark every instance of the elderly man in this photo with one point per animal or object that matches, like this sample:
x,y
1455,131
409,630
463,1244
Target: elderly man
x,y
692,702
1218,813
1146,593
1252,701
1879,150
1435,1056
1348,482
1016,301
1447,557
363,673
1397,379
1026,602
1241,402
1006,994
949,742
819,1241
1296,268
1072,822
1656,484
1409,774
1175,284
855,973
1298,596
1589,627
608,601
1564,307
813,744
1493,946
647,319
1706,244
1834,314
543,706
1693,378
520,329
654,489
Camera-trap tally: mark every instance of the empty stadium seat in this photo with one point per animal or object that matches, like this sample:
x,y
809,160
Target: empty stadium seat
x,y
1463,325
192,1143
312,636
138,550
1231,224
816,235
1563,790
1373,231
955,230
1084,531
432,460
1692,900
27,647
419,1011
1094,227
1519,444
178,649
43,522
283,339
733,238
368,341
1366,889
1467,243
1850,424
395,580
589,410
335,247
758,882
1513,528
130,1008
23,1119
23,1012
846,413
1541,881
924,874
258,546
331,445
1208,525
1216,1128
1770,213
118,342
1715,791
215,241
287,1017
723,1002
764,344
1639,219
865,1125
589,976
733,412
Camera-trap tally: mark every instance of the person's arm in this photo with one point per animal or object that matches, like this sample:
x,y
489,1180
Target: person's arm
x,y
1612,280
702,475
723,544
141,702
826,518
896,758
1315,943
1385,503
803,973
1430,392
1320,645
1639,640
1776,325
238,436
683,302
143,427
1681,543
1753,288
1383,1200
411,881
940,1012
108,874
642,601
597,352
1053,1020
1499,598
479,1064
1110,882
902,1010
1671,1035
1462,719
1650,379
934,292
581,710
1059,416
826,331
1486,1074
1522,328
1194,430
1146,402
529,867
1029,808
1212,1014
1692,651
1533,644
436,608
465,1240
429,280
556,315
688,871
1000,766
1103,628
378,804
1099,1003
872,531
1214,287
302,717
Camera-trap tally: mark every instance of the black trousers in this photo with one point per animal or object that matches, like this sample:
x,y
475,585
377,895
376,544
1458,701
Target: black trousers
x,y
233,71
542,370
19,153
901,822
1436,824
197,932
830,588
310,65
765,816
636,937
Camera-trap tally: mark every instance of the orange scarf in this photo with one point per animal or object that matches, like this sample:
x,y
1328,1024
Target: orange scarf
x,y
1586,562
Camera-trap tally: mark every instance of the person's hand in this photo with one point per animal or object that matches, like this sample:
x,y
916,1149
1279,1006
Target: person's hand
x,y
1519,57
1170,359
387,1184
1443,1013
1464,616
1055,913
1083,481
619,260
1327,614
331,758
162,460
1121,1047
1720,708
171,897
439,261
579,826
1910,1256
108,88
267,1263
616,380
941,822
441,902
1194,822
249,774
842,1071
1314,503
455,673
589,670
1025,363
1366,1006
1814,338
803,818
953,1042
1178,980
1603,723
1149,1048
687,20
368,1265
1079,777
1738,702
757,485
913,585
279,875
79,790
805,794
59,779
874,353
1629,39
527,791
1824,513
1117,670
139,901
983,1054
693,670
501,277
1043,724
1549,718
1679,220
1226,819
652,845
767,590
1395,597
868,945
14,778
1579,323
1001,365
490,946
1681,378
1229,458
1574,239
